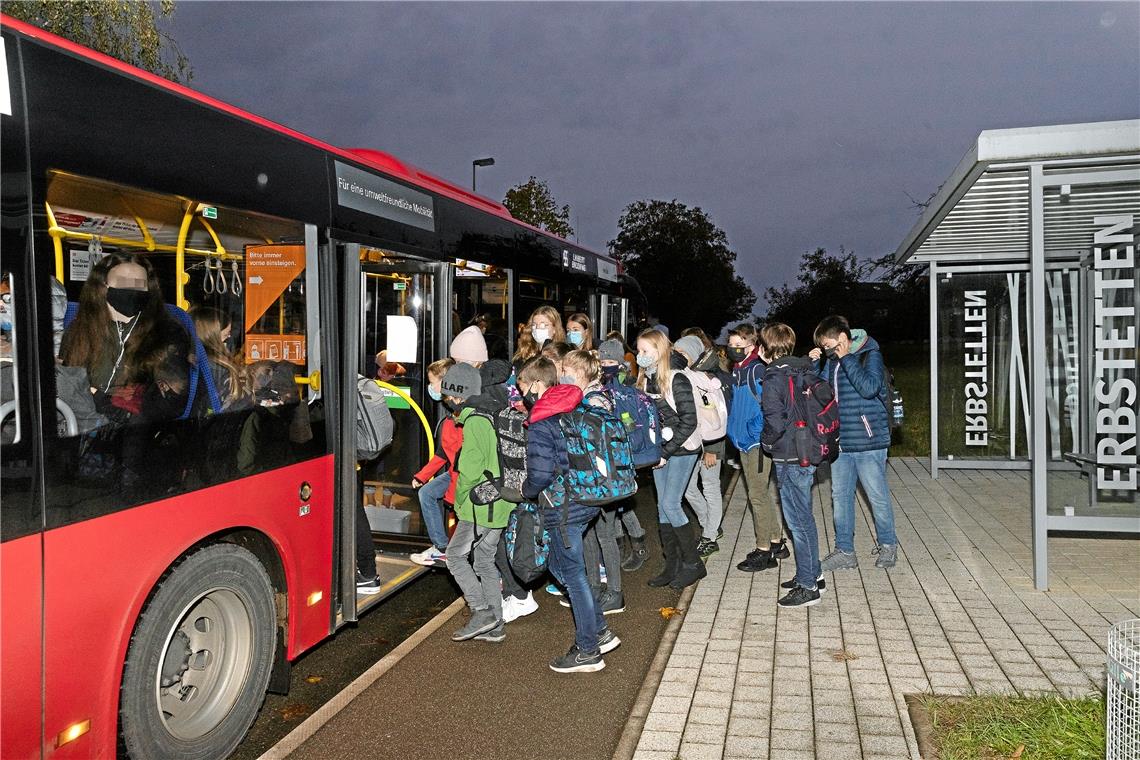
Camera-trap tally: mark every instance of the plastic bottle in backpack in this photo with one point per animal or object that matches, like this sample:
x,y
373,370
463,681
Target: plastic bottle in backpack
x,y
803,443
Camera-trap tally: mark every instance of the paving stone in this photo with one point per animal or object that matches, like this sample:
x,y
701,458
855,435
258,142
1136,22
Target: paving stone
x,y
694,751
880,744
715,716
665,741
742,726
695,732
802,740
746,746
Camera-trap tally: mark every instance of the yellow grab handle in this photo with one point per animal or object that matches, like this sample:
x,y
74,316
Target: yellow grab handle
x,y
416,408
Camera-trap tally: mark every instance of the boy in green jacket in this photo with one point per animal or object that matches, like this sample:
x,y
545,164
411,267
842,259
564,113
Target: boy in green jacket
x,y
482,517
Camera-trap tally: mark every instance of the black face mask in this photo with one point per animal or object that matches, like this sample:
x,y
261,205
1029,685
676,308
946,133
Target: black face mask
x,y
708,361
530,398
127,301
831,353
609,373
737,354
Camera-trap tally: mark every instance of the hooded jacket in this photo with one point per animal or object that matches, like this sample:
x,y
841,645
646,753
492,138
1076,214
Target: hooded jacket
x,y
859,381
480,455
678,411
547,460
778,438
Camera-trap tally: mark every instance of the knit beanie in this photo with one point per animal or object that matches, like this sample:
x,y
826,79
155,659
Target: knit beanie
x,y
469,346
611,351
691,346
461,381
495,372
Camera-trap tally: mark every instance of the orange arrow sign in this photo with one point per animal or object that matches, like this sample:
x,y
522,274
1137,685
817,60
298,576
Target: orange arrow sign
x,y
268,271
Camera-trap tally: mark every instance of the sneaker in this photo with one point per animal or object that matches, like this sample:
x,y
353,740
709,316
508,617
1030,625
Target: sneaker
x,y
888,555
780,550
481,621
515,608
367,585
577,661
706,548
757,560
611,602
839,560
820,584
607,641
800,597
553,590
429,557
495,635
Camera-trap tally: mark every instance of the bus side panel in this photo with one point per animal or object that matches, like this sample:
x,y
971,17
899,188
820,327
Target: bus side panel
x,y
21,621
98,574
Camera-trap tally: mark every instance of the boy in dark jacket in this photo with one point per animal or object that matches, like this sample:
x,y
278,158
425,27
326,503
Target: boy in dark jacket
x,y
855,370
616,371
793,477
547,463
745,424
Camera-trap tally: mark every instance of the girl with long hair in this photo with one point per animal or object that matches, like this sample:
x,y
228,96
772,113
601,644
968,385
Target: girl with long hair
x,y
213,327
580,331
662,379
545,325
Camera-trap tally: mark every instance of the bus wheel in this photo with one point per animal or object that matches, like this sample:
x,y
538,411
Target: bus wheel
x,y
200,658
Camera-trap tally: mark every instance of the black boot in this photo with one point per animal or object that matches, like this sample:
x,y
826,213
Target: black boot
x,y
691,569
637,555
672,557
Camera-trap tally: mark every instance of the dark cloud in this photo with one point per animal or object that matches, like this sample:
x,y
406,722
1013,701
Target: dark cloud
x,y
793,125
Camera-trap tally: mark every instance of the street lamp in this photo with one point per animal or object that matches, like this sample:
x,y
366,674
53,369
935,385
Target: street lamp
x,y
479,162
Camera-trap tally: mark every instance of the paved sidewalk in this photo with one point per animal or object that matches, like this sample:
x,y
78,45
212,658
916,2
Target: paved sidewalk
x,y
957,615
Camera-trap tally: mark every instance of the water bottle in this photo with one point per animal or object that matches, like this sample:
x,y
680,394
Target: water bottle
x,y
803,443
627,420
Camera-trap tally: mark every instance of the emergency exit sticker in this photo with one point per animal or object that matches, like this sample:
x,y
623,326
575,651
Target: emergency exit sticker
x,y
399,285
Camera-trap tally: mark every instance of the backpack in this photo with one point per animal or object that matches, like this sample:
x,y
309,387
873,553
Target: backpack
x,y
510,431
712,410
814,417
892,399
528,543
638,414
746,420
374,425
601,458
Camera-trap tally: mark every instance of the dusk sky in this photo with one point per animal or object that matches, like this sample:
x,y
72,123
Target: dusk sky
x,y
793,125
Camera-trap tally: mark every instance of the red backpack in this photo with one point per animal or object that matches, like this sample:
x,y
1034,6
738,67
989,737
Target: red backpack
x,y
813,418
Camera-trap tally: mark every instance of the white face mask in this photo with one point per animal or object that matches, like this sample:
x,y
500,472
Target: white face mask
x,y
540,334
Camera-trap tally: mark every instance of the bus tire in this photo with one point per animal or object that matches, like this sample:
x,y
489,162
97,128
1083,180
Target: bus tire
x,y
200,658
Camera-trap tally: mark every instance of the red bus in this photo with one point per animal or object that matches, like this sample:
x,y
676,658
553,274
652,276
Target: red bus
x,y
159,574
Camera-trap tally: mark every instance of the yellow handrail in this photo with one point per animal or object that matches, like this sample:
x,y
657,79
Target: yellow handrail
x,y
220,250
416,408
181,278
56,241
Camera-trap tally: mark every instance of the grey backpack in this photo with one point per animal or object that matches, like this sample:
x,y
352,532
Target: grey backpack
x,y
374,425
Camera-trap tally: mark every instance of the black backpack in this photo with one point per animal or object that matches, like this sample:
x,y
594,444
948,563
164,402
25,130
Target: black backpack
x,y
510,430
813,417
892,399
528,543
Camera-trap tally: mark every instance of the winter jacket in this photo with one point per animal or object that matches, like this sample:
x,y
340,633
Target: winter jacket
x,y
745,416
449,440
547,461
479,455
778,436
859,380
678,413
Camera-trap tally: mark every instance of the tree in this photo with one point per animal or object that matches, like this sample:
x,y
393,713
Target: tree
x,y
123,29
533,203
684,265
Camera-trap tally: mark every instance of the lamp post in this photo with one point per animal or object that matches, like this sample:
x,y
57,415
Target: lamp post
x,y
479,162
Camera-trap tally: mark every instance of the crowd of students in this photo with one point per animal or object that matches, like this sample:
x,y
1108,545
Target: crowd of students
x,y
749,399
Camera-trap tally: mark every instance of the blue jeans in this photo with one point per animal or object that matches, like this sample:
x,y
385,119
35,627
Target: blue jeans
x,y
870,469
569,569
795,497
431,507
671,481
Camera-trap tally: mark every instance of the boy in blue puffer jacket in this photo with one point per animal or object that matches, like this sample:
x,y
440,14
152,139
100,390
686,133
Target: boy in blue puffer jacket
x,y
547,464
745,425
855,369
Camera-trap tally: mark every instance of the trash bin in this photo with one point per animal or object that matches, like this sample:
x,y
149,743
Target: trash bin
x,y
1123,680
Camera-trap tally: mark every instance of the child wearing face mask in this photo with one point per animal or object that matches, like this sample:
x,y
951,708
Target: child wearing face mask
x,y
662,380
437,479
580,331
545,326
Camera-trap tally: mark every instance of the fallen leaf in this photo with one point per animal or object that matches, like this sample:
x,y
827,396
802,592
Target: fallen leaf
x,y
293,711
843,655
1017,752
314,679
668,612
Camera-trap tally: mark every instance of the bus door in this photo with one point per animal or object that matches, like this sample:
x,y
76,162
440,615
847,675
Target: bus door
x,y
481,295
613,314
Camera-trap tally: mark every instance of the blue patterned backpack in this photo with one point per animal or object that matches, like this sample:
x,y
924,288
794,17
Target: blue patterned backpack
x,y
601,458
528,543
638,413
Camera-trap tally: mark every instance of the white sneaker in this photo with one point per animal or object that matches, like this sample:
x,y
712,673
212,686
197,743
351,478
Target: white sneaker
x,y
515,608
429,557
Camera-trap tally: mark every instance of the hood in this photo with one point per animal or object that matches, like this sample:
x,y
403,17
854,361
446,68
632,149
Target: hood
x,y
494,372
559,399
490,401
677,361
861,341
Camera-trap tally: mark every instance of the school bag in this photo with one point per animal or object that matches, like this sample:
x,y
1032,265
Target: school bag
x,y
528,543
374,425
712,410
601,459
813,418
510,430
892,399
638,414
746,421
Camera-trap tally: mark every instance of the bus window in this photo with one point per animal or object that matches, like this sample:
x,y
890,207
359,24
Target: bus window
x,y
534,292
10,418
482,298
184,332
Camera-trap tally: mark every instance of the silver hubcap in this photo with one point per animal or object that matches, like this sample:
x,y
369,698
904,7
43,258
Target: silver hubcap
x,y
204,664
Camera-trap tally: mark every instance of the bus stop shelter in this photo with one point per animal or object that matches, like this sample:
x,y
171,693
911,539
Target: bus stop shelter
x,y
1031,243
